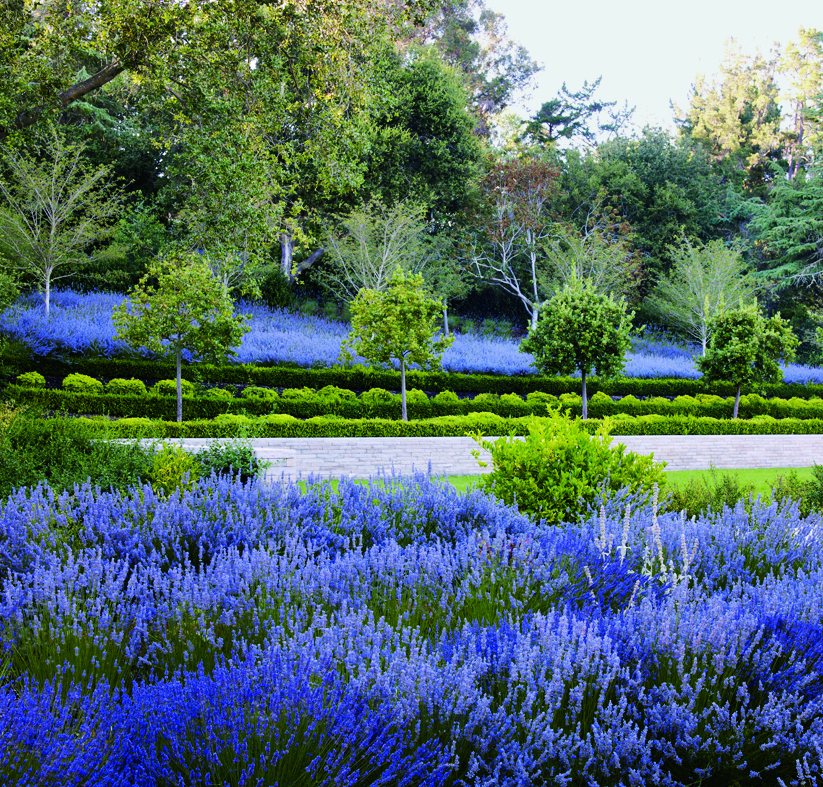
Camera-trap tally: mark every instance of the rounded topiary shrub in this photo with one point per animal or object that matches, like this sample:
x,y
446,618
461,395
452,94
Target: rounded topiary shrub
x,y
377,396
416,396
335,393
446,397
306,394
222,394
31,380
169,388
123,387
258,392
82,383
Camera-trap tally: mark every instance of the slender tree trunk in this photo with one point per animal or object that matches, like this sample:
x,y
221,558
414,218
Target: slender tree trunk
x,y
47,293
287,255
179,391
535,315
403,411
585,398
736,401
445,319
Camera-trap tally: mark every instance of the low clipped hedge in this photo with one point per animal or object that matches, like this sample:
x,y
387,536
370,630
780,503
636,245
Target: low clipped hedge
x,y
361,378
280,425
380,403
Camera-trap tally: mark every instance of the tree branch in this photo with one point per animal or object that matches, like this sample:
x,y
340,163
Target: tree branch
x,y
30,116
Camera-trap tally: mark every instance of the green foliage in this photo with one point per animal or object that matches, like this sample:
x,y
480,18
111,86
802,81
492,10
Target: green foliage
x,y
276,290
79,200
65,452
372,242
745,348
362,378
704,279
258,393
737,116
660,186
186,310
169,388
581,330
232,458
221,394
701,496
446,397
82,383
173,468
789,229
561,469
123,387
31,380
396,325
423,146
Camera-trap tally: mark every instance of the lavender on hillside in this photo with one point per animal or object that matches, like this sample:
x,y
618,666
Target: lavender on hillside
x,y
81,324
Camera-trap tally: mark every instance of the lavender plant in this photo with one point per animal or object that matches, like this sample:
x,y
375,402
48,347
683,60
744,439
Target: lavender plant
x,y
401,633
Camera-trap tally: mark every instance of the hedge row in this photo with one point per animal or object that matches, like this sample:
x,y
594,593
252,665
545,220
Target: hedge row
x,y
195,408
446,426
360,379
379,403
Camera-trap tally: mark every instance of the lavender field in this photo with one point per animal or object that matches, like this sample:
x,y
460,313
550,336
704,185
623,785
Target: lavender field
x,y
81,324
403,634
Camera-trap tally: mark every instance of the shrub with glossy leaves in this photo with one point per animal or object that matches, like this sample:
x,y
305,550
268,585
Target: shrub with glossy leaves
x,y
560,469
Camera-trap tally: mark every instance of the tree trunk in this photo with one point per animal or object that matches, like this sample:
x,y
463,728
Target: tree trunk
x,y
307,263
287,255
535,315
179,392
445,320
736,401
585,399
403,411
47,293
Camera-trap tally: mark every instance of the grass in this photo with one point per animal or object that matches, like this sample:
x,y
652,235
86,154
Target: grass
x,y
763,478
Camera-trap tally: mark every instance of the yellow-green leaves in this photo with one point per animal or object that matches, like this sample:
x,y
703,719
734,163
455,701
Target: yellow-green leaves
x,y
397,325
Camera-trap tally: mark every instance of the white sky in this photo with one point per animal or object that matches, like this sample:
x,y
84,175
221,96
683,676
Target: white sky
x,y
647,51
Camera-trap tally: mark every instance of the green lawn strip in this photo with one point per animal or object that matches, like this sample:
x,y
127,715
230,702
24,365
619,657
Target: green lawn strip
x,y
763,478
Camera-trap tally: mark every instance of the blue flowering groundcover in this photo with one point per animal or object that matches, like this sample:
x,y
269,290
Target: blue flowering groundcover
x,y
398,632
80,324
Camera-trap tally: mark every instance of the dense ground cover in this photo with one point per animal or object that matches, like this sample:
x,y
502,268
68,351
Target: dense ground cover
x,y
403,634
81,324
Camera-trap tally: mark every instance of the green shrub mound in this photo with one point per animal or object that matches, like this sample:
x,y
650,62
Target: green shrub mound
x,y
31,380
122,387
169,388
82,383
561,468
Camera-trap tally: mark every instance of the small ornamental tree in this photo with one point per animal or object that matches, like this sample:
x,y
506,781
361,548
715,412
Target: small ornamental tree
x,y
179,306
581,330
397,325
745,348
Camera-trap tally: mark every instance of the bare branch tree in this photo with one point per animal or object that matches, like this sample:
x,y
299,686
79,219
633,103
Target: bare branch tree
x,y
507,251
702,282
375,240
57,210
